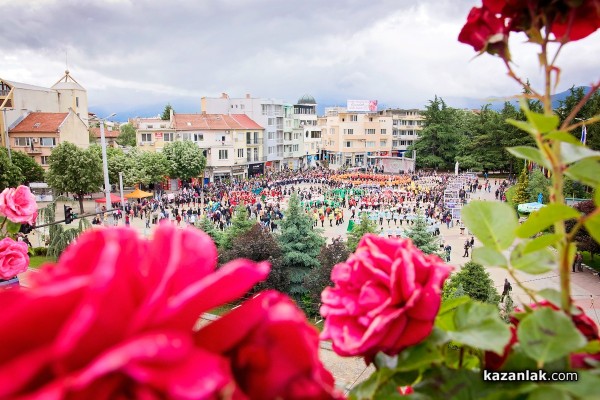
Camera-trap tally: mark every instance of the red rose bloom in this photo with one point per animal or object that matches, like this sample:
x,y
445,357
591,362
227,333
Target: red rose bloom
x,y
485,31
13,258
272,348
578,22
18,205
114,319
386,298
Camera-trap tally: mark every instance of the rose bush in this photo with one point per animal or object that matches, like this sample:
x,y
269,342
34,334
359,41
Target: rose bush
x,y
18,205
386,298
13,258
115,316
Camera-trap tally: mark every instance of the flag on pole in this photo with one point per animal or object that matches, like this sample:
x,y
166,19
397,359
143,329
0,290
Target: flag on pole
x,y
583,134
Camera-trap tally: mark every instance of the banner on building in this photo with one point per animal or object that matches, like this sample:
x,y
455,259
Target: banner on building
x,y
361,106
158,135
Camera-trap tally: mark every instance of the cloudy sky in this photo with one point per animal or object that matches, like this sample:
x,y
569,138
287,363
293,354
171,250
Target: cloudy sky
x,y
131,54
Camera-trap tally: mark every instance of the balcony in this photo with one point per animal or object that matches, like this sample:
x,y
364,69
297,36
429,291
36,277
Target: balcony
x,y
279,140
255,142
33,150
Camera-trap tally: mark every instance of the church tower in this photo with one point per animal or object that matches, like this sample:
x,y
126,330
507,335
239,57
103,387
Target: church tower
x,y
72,95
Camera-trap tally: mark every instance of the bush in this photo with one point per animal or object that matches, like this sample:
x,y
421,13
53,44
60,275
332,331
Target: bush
x,y
40,251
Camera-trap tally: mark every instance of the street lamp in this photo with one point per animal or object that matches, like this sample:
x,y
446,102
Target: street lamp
x,y
105,163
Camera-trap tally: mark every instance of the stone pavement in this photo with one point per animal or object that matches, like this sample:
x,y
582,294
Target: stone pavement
x,y
585,287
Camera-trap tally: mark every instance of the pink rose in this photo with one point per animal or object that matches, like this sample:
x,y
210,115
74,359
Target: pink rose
x,y
114,319
13,258
18,205
386,298
272,348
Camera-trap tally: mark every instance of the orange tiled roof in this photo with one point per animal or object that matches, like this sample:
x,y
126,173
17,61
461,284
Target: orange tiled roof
x,y
42,122
214,121
107,134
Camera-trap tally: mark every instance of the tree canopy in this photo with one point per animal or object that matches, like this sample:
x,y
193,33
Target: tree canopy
x,y
185,159
127,136
31,170
74,170
10,174
166,114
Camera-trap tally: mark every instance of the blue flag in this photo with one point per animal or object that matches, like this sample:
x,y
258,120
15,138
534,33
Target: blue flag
x,y
583,134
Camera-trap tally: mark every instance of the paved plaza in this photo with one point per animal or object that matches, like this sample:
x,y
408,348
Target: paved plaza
x,y
585,285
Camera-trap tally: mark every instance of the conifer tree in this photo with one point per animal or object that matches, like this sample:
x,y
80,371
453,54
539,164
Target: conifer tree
x,y
300,245
474,281
240,224
208,227
421,238
521,192
358,231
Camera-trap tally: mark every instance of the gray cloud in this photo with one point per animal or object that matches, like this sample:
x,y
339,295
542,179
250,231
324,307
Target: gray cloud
x,y
401,52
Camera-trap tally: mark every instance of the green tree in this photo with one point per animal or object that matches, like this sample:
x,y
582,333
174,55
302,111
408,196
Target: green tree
x,y
521,195
185,159
439,141
300,246
240,224
359,230
537,184
589,110
319,278
421,238
74,170
476,283
166,114
127,136
149,168
208,227
10,174
31,170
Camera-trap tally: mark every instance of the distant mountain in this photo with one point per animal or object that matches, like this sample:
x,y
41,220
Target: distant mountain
x,y
497,103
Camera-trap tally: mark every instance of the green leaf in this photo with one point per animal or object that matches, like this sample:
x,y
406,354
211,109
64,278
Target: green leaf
x,y
383,384
591,347
541,242
543,123
597,197
547,335
493,223
545,217
535,262
562,136
451,304
586,171
554,297
489,257
12,227
423,354
523,125
479,325
593,227
586,386
529,153
572,152
548,392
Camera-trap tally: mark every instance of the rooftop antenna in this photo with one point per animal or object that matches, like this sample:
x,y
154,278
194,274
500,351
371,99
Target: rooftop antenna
x,y
66,65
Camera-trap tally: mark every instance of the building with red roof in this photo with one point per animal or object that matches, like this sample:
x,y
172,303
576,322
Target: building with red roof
x,y
232,143
38,133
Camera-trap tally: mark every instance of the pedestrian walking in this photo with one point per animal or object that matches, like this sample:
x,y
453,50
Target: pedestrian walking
x,y
467,246
506,291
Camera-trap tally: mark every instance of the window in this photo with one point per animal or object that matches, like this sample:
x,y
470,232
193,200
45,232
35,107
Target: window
x,y
295,147
370,119
370,144
45,160
168,136
240,153
271,121
48,142
331,131
265,109
223,154
382,143
150,126
76,101
198,137
22,141
354,118
347,144
255,154
383,131
163,126
271,136
370,131
348,131
146,137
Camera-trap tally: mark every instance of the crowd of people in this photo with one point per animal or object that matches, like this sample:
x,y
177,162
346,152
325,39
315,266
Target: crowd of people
x,y
329,197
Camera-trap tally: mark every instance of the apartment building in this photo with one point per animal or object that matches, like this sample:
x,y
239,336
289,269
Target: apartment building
x,y
306,121
406,127
354,138
39,132
18,99
232,143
